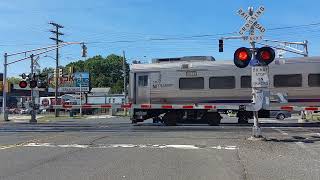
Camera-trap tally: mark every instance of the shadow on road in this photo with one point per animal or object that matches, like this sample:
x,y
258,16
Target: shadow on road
x,y
295,139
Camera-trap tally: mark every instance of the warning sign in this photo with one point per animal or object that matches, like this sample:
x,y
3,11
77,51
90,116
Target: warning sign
x,y
260,76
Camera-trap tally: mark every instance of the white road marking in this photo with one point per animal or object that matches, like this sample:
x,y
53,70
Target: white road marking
x,y
282,132
150,146
100,117
183,146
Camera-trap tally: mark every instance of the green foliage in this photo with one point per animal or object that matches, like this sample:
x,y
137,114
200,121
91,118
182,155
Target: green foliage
x,y
104,72
44,73
14,80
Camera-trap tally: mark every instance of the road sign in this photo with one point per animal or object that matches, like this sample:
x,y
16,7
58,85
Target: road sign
x,y
251,21
260,76
252,38
70,83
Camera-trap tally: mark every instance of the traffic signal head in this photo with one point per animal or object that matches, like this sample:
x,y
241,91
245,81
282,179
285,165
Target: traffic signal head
x,y
33,84
60,72
220,45
23,84
71,69
242,57
265,55
84,50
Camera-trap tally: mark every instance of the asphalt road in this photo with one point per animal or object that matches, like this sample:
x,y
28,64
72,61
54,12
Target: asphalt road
x,y
115,149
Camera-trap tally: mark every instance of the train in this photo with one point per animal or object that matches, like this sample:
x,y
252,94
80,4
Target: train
x,y
194,80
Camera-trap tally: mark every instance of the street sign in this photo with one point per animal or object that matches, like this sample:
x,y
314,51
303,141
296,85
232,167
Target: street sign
x,y
251,21
260,76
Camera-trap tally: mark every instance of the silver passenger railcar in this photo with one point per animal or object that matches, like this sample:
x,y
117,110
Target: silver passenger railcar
x,y
201,79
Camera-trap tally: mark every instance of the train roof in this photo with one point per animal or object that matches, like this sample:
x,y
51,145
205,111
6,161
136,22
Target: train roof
x,y
207,63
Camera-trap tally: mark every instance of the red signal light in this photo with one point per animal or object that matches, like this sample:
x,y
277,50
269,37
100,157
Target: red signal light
x,y
242,57
265,55
23,84
33,84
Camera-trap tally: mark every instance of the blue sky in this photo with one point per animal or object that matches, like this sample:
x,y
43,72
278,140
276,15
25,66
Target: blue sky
x,y
24,25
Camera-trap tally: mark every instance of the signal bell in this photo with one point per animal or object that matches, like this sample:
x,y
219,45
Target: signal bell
x,y
242,57
265,55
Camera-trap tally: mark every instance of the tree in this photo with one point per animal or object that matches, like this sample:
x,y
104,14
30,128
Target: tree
x,y
44,73
14,80
104,72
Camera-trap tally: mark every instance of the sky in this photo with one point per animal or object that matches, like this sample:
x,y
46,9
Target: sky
x,y
147,29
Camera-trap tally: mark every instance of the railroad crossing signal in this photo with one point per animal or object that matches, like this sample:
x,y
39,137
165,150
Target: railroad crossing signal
x,y
32,79
243,55
23,84
265,55
33,84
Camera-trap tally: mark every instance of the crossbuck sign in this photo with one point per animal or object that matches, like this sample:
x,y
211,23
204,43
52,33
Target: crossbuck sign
x,y
251,21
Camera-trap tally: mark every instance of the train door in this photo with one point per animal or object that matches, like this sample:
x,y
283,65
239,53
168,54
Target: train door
x,y
142,88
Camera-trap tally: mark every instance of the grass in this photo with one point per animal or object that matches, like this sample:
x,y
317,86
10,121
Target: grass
x,y
313,117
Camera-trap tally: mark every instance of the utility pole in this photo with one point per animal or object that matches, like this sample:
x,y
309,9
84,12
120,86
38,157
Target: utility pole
x,y
4,89
124,75
124,80
57,40
33,114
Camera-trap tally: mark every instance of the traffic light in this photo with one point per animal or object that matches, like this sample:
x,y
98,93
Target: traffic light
x,y
71,69
220,45
84,50
23,84
33,84
265,55
242,57
60,72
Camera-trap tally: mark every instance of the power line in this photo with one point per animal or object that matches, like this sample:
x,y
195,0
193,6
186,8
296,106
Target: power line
x,y
294,26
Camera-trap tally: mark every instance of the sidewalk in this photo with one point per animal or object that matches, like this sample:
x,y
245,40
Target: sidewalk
x,y
51,118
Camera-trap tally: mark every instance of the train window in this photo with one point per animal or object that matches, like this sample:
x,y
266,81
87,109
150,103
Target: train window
x,y
287,80
314,80
191,83
245,81
143,80
223,82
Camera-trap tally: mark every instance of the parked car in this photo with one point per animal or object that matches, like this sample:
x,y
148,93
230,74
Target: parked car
x,y
281,115
13,111
24,111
